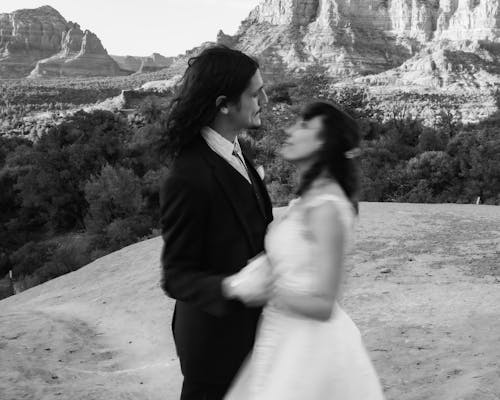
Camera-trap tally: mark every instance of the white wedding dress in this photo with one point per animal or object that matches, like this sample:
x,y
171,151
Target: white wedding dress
x,y
297,358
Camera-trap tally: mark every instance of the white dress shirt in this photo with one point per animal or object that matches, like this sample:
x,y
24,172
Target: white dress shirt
x,y
226,150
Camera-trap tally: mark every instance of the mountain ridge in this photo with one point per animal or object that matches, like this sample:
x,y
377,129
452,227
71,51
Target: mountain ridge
x,y
349,40
40,43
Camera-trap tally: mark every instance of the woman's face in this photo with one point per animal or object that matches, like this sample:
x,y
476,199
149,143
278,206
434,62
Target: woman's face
x,y
303,140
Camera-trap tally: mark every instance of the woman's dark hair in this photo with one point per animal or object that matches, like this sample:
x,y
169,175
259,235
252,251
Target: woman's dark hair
x,y
340,133
216,71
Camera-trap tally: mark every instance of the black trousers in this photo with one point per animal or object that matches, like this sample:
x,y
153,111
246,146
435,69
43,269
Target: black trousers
x,y
192,390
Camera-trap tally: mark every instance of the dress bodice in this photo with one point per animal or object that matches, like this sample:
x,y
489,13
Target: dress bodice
x,y
291,246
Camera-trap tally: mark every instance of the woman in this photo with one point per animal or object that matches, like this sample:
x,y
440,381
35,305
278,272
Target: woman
x,y
307,347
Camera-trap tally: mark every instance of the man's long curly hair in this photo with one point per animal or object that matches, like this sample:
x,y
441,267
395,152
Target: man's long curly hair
x,y
216,71
340,133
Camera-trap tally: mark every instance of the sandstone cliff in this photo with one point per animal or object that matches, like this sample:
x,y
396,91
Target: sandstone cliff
x,y
81,54
127,63
27,36
152,63
42,42
467,66
432,40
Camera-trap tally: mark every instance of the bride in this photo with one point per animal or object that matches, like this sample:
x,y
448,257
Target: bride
x,y
307,347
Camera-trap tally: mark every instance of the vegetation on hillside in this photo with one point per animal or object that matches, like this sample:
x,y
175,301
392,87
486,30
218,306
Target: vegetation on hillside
x,y
86,186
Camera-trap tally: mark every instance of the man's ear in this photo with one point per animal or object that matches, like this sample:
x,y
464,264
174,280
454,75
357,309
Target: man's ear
x,y
221,104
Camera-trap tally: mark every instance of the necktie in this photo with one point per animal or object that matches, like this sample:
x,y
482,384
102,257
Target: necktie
x,y
242,163
254,183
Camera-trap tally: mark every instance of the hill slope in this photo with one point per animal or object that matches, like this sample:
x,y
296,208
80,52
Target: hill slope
x,y
422,285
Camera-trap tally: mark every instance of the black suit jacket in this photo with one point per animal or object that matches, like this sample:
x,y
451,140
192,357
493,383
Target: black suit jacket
x,y
211,225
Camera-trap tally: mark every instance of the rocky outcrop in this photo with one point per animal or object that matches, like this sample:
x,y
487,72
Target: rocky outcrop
x,y
469,20
165,85
128,63
421,19
41,43
81,55
152,63
463,67
155,62
349,38
27,36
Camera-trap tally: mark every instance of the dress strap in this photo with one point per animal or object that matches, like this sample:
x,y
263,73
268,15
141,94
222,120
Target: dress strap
x,y
346,210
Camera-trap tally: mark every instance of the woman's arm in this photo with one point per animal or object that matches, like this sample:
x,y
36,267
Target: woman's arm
x,y
328,233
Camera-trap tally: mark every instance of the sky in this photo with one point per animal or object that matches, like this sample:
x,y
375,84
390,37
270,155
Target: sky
x,y
142,27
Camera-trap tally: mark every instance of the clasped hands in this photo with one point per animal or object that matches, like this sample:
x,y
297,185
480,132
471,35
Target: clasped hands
x,y
254,284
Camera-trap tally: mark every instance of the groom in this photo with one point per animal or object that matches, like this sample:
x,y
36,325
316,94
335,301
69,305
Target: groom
x,y
214,211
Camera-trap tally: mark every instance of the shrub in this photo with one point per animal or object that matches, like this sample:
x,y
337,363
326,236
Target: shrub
x,y
280,92
150,183
98,253
6,288
280,194
123,232
432,140
27,259
352,99
70,255
114,194
434,167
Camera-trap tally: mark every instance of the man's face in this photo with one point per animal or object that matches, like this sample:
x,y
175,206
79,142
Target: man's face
x,y
246,114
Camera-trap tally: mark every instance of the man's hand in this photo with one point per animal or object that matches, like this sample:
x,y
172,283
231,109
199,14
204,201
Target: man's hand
x,y
253,285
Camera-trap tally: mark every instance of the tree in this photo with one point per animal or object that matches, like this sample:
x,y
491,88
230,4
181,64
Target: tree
x,y
432,140
476,152
379,177
430,176
113,194
62,161
27,259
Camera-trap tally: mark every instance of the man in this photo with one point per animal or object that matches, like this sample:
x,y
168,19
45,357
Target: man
x,y
214,214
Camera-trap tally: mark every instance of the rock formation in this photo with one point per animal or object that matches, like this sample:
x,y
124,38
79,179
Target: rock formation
x,y
437,39
27,36
152,63
128,63
81,55
41,41
454,66
165,85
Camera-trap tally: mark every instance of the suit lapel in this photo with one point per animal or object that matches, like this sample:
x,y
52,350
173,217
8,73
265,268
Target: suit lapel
x,y
229,179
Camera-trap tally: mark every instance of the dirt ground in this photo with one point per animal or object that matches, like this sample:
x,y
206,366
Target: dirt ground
x,y
423,285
